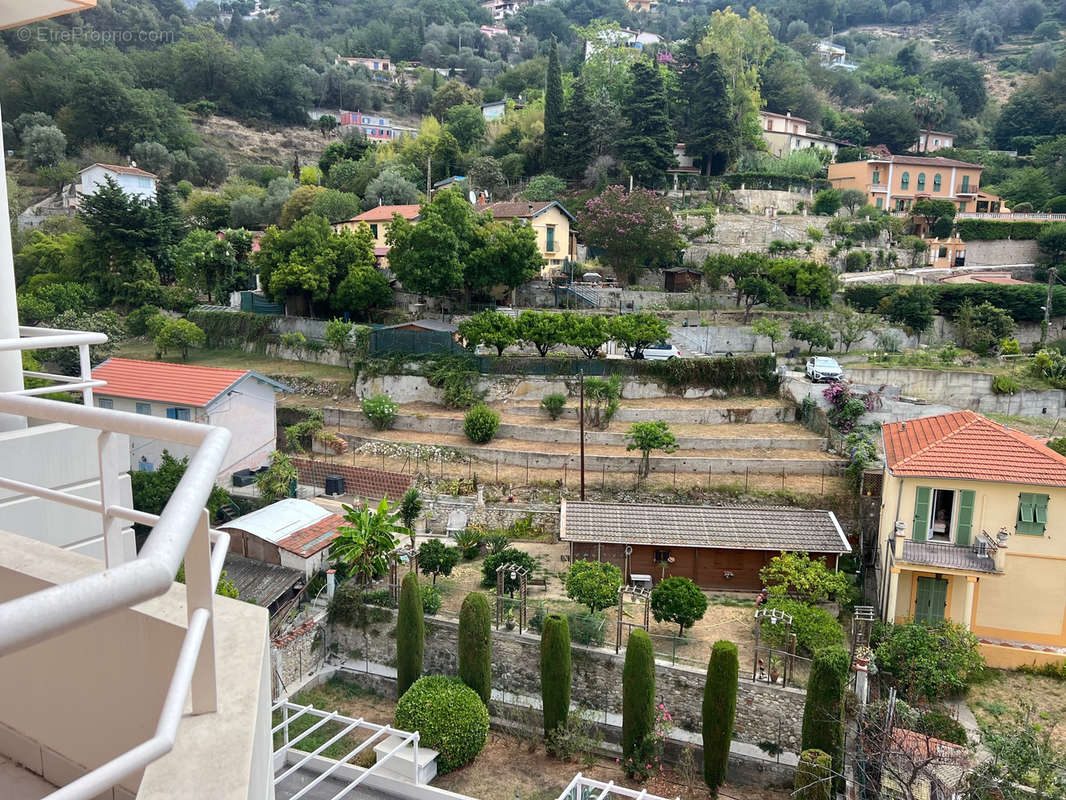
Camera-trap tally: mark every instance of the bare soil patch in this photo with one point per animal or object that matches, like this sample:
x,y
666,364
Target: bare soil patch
x,y
1014,694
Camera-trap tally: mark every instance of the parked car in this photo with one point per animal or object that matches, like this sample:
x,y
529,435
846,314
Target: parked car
x,y
821,368
662,351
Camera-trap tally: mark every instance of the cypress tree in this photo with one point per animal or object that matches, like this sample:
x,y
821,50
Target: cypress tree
x,y
553,110
823,713
475,645
719,711
410,634
812,776
555,672
715,131
647,139
579,148
638,692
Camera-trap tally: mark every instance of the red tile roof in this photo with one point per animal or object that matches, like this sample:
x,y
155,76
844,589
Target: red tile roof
x,y
308,541
384,213
514,210
163,382
123,170
968,446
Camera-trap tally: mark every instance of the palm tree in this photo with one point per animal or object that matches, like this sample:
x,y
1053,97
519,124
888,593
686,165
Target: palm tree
x,y
366,542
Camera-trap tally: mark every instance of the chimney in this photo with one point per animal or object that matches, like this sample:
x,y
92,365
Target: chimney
x,y
531,209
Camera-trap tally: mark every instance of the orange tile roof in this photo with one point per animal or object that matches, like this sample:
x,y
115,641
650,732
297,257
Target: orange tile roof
x,y
384,213
169,383
308,541
968,446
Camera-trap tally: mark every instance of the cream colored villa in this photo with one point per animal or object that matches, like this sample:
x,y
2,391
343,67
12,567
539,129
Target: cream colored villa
x,y
970,531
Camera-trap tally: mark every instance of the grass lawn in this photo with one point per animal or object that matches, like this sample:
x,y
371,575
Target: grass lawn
x,y
238,359
1015,693
1034,426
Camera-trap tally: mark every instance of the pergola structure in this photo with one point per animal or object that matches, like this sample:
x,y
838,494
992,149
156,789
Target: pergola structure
x,y
516,572
774,617
636,594
401,555
582,788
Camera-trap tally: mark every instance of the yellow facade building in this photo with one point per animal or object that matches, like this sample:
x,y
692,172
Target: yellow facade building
x,y
970,531
378,220
894,183
553,224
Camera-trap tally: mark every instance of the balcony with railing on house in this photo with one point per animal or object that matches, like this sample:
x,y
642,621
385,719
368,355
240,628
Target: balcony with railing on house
x,y
978,556
113,689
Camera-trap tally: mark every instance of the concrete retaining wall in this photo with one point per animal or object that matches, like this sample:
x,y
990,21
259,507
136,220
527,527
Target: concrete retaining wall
x,y
1001,252
699,416
534,460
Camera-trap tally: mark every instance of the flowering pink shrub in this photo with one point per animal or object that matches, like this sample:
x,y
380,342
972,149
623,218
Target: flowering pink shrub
x,y
647,759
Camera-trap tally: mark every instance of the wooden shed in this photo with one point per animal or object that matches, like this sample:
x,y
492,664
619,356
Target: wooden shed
x,y
682,279
719,547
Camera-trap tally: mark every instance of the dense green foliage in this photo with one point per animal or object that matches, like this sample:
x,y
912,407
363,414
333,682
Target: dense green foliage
x,y
677,599
475,645
435,558
449,717
1023,303
648,436
814,627
594,584
554,404
555,673
800,577
812,781
410,636
719,711
823,712
509,555
638,692
480,424
380,410
927,662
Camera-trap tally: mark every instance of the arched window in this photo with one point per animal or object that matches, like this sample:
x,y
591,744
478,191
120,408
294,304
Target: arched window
x,y
921,181
936,182
905,180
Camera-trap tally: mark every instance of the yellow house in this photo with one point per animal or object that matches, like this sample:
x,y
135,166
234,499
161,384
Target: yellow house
x,y
893,183
378,220
970,532
556,239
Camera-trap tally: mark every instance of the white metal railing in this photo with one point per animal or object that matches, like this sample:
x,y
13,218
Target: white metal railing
x,y
582,788
180,533
31,338
1021,215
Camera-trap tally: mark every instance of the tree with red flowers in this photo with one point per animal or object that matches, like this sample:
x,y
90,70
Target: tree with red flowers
x,y
633,231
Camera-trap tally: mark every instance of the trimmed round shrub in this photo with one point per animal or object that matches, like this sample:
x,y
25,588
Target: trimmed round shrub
x,y
554,405
380,410
555,673
475,645
481,424
449,717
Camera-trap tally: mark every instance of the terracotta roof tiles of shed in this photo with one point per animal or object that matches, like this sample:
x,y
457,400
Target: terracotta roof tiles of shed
x,y
966,445
164,382
308,541
726,527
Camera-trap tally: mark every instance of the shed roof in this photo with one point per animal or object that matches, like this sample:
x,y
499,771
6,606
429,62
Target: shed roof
x,y
725,527
425,324
121,170
258,582
164,382
966,445
298,526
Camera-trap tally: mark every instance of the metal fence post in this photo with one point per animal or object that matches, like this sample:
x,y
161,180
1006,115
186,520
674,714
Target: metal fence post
x,y
200,593
110,459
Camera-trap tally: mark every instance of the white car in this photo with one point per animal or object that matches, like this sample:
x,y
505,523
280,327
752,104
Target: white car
x,y
663,351
821,368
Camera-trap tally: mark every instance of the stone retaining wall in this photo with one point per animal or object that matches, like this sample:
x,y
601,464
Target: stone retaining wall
x,y
763,712
297,655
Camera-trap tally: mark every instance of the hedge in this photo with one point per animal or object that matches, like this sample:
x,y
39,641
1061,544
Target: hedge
x,y
232,328
989,229
555,673
410,634
449,717
823,712
638,692
1023,303
767,180
719,711
475,645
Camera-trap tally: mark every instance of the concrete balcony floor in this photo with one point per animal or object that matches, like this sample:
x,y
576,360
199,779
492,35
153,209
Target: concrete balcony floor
x,y
17,783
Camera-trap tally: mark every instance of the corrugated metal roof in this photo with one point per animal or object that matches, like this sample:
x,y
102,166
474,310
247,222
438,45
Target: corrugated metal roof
x,y
161,381
299,526
258,582
966,445
726,527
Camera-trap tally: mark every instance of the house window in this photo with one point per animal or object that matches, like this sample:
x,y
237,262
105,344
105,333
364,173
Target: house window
x,y
104,402
550,243
178,413
942,252
144,408
1032,514
936,182
374,231
921,181
877,177
905,180
965,183
880,202
662,556
943,515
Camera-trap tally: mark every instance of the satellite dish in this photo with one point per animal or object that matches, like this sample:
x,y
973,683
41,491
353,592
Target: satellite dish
x,y
473,197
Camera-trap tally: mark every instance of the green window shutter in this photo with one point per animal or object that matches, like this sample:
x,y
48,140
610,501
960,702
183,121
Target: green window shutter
x,y
964,529
921,513
1040,509
1025,507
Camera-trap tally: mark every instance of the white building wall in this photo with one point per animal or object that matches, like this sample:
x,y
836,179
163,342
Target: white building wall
x,y
308,566
139,185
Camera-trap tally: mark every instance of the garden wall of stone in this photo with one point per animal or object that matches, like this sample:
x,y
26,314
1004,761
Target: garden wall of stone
x,y
764,712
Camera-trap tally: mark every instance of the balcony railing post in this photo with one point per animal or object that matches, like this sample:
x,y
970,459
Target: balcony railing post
x,y
118,539
200,593
86,374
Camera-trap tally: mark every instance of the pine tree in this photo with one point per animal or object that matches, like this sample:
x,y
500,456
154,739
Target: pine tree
x,y
410,634
719,712
475,645
638,692
647,139
553,111
715,133
579,148
555,672
823,713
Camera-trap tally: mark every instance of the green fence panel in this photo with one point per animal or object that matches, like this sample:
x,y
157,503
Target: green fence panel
x,y
388,342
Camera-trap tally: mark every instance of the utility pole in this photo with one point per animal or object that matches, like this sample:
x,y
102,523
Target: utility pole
x,y
429,175
1047,308
581,423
